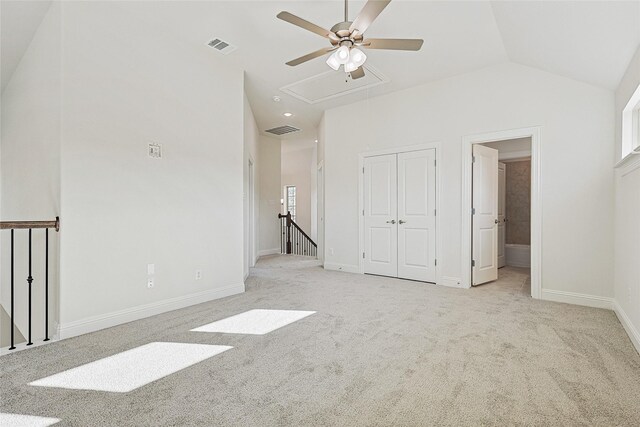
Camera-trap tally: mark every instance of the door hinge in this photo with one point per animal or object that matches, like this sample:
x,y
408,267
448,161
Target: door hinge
x,y
473,159
435,212
362,212
435,163
473,211
436,262
473,263
362,255
363,170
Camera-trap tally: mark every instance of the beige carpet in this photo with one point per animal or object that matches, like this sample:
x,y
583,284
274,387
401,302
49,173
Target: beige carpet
x,y
378,351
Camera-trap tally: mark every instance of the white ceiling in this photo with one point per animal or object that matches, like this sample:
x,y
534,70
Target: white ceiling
x,y
590,41
19,21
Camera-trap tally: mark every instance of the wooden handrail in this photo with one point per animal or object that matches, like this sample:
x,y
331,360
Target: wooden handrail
x,y
8,225
303,233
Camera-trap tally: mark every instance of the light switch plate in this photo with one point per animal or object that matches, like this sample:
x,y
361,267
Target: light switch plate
x,y
151,269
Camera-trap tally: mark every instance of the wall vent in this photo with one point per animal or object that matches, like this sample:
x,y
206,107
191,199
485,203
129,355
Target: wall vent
x,y
282,130
221,46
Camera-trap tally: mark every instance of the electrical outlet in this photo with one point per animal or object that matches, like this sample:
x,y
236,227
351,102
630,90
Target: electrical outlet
x,y
150,282
198,274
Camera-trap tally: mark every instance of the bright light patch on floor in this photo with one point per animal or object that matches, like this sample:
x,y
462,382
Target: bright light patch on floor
x,y
255,322
18,420
133,368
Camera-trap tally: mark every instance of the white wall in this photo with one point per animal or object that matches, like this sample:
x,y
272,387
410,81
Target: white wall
x,y
251,198
298,162
270,194
627,213
576,122
126,85
30,169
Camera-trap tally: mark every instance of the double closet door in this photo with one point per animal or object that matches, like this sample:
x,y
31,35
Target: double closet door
x,y
400,215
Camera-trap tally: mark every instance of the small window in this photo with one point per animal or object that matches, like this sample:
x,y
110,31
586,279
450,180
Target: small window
x,y
631,124
291,200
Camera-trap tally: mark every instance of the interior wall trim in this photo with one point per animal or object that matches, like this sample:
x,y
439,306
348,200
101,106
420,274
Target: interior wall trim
x,y
341,267
267,252
452,282
631,330
577,299
96,323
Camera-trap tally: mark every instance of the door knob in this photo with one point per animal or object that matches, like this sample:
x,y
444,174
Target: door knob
x,y
393,221
496,221
401,222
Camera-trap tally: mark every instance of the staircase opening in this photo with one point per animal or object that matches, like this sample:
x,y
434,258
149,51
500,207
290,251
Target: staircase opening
x,y
298,210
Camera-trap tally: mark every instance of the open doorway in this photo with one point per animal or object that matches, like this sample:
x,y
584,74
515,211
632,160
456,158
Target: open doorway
x,y
503,233
513,226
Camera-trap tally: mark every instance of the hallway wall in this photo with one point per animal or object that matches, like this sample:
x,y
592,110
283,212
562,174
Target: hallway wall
x,y
270,194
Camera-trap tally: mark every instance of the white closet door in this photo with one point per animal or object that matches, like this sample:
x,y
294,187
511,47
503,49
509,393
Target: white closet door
x,y
380,215
502,197
485,217
417,215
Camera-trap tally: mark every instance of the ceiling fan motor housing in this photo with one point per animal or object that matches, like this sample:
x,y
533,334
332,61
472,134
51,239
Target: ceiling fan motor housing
x,y
341,29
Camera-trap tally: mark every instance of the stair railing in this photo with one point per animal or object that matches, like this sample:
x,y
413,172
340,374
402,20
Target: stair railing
x,y
30,225
293,240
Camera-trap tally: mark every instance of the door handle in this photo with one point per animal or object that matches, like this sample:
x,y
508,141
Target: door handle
x,y
393,221
496,221
401,222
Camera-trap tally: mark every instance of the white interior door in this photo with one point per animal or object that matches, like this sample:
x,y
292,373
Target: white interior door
x,y
417,215
485,214
502,198
380,215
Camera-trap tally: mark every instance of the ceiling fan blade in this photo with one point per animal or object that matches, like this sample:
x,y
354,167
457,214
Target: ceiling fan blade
x,y
302,23
368,14
310,56
359,73
393,44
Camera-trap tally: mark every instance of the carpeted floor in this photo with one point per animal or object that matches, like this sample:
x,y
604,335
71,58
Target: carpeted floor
x,y
378,351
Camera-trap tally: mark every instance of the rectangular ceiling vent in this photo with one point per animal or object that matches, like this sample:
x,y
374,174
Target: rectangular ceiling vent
x,y
221,46
282,130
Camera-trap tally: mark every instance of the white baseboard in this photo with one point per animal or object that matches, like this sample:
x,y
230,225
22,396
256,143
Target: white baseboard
x,y
95,323
341,267
266,252
577,299
452,282
631,330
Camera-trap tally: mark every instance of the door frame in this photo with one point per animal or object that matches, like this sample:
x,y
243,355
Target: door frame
x,y
320,207
398,150
536,201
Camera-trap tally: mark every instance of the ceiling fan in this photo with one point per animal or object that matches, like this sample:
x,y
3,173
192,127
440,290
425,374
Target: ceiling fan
x,y
347,36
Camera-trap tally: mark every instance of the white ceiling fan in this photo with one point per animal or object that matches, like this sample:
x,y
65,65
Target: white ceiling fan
x,y
347,37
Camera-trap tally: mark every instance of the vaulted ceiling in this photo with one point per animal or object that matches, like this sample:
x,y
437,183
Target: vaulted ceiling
x,y
589,41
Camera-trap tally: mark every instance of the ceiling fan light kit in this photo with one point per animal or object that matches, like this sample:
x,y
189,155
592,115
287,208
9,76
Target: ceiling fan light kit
x,y
345,38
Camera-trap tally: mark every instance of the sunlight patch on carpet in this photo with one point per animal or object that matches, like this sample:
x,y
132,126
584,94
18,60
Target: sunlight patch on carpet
x,y
255,322
19,420
131,369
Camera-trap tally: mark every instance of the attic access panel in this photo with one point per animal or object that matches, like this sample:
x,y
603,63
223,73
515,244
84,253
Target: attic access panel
x,y
332,84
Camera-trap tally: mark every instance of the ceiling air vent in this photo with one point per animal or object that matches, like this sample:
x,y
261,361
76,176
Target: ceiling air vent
x,y
221,46
282,130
